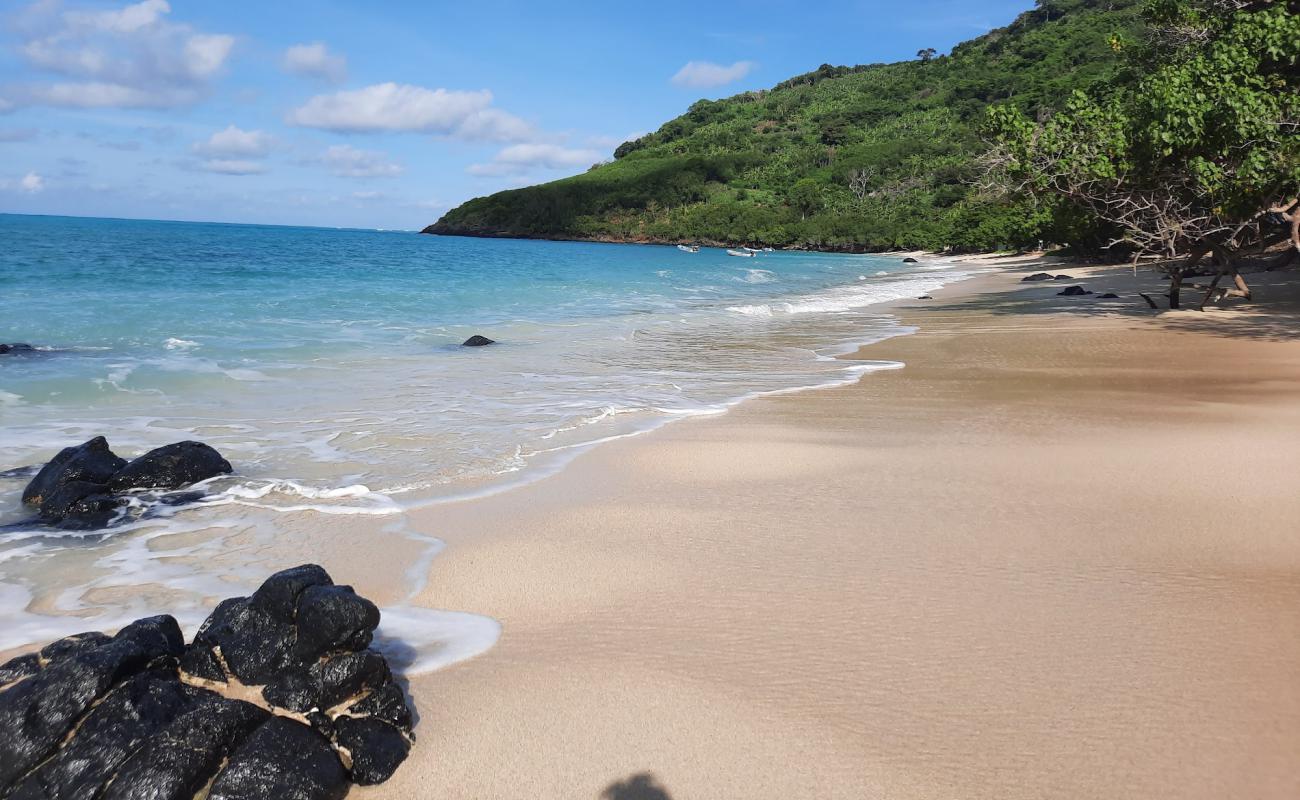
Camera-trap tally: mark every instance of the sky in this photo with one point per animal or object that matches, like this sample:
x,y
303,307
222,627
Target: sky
x,y
387,114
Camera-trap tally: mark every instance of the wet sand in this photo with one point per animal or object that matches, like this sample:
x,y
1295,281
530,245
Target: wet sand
x,y
1056,556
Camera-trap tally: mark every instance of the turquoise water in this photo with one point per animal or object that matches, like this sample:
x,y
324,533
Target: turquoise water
x,y
326,366
325,363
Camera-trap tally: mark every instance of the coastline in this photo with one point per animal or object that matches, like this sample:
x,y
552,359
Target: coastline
x,y
1004,570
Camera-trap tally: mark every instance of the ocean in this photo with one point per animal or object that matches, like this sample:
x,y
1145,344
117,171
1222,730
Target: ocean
x,y
326,365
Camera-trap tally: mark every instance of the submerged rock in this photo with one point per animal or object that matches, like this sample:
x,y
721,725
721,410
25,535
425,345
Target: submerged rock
x,y
1073,291
1037,276
81,487
477,341
1108,296
16,348
140,715
910,260
1063,278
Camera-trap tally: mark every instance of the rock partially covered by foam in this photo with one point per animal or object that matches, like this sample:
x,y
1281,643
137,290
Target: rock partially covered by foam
x,y
83,486
171,467
18,348
140,715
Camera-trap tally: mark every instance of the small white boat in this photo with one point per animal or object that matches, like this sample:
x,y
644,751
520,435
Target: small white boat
x,y
693,248
740,253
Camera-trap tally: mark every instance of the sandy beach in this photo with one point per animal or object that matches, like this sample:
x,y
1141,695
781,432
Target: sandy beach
x,y
1054,556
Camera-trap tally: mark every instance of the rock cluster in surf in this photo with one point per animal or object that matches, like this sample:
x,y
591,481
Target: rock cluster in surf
x,y
277,698
86,486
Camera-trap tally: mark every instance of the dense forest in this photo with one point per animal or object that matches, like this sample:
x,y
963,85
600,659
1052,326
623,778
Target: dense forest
x,y
874,157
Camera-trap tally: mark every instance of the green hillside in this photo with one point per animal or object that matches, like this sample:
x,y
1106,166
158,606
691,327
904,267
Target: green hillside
x,y
853,158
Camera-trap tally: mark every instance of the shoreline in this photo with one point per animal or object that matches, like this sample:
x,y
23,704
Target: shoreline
x,y
723,637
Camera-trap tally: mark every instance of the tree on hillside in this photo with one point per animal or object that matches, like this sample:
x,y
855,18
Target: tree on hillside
x,y
926,54
1197,155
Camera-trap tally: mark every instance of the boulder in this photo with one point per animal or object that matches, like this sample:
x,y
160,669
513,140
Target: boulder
x,y
1108,296
16,348
1073,291
139,716
39,711
171,467
1037,276
91,462
477,341
79,505
282,760
1063,278
910,260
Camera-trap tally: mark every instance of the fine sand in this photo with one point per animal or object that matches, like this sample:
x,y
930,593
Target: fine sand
x,y
1056,556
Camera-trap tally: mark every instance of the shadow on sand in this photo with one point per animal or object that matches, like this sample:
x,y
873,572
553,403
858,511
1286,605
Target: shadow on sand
x,y
641,786
1274,314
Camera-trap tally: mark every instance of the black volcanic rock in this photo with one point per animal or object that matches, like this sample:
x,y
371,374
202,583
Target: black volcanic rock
x,y
910,260
91,462
1108,296
1037,276
1073,291
171,467
39,711
282,760
82,487
16,348
477,341
184,755
139,716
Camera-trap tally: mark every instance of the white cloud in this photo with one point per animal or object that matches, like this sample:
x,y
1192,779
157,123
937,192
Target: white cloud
x,y
236,143
315,61
30,183
232,166
706,74
519,159
128,57
346,161
402,107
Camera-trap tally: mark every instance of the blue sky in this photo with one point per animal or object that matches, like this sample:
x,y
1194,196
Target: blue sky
x,y
384,115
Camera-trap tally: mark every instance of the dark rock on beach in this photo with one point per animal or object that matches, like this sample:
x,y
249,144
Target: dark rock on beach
x,y
82,487
171,467
477,341
925,297
1073,291
139,715
91,462
1108,296
910,260
1063,278
1037,276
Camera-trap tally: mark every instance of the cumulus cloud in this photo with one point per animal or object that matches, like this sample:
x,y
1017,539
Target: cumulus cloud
x,y
346,161
315,61
235,142
415,109
520,159
30,183
127,57
706,74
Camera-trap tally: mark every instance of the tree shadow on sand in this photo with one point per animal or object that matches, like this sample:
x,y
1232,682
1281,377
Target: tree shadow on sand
x,y
641,786
1274,314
